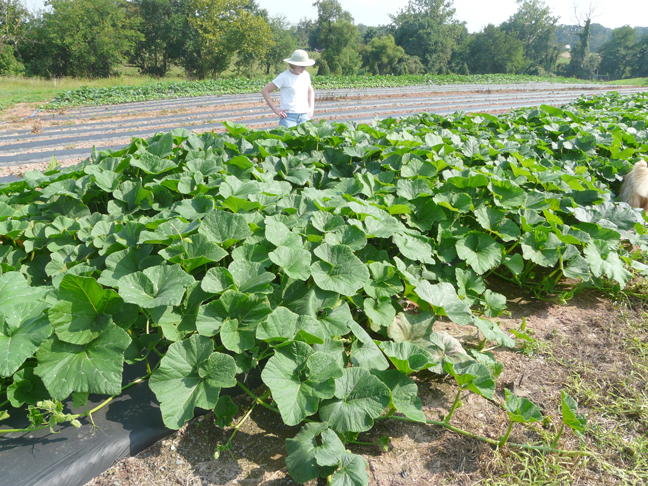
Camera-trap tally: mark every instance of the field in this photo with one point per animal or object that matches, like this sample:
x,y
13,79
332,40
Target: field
x,y
69,134
397,283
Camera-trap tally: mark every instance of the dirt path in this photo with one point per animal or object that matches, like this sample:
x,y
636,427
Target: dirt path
x,y
583,347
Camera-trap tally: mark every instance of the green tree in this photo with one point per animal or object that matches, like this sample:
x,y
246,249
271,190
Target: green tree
x,y
495,51
302,32
373,32
224,29
328,13
381,55
639,58
83,38
163,26
617,53
409,65
343,45
583,63
427,29
14,18
284,43
535,27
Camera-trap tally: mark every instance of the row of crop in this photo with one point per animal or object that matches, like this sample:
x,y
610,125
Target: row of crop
x,y
165,90
294,252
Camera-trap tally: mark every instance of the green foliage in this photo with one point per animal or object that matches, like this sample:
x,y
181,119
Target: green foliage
x,y
426,29
639,59
342,48
381,55
82,38
616,53
225,29
292,252
283,42
124,94
583,64
9,65
165,31
495,51
535,27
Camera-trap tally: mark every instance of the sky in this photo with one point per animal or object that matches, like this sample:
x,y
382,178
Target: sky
x,y
476,13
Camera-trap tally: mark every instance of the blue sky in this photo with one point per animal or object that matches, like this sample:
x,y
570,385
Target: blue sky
x,y
476,13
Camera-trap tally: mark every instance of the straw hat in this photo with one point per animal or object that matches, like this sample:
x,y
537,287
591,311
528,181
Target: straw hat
x,y
300,58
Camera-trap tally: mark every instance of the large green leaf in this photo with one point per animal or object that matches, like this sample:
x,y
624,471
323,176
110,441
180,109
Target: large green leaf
x,y
521,409
161,285
360,397
472,376
294,261
191,375
194,252
352,471
298,378
220,226
304,451
83,310
22,330
125,262
480,251
444,300
95,367
247,310
404,392
339,270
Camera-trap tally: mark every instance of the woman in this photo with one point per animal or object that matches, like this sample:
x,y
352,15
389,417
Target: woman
x,y
297,95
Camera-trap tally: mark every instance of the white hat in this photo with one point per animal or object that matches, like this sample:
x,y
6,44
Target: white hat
x,y
300,58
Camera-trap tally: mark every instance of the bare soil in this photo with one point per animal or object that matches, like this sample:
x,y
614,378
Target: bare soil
x,y
586,338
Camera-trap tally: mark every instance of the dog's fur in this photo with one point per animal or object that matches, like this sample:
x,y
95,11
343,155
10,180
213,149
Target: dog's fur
x,y
634,189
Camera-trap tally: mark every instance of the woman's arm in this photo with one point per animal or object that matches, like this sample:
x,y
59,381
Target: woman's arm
x,y
311,101
267,89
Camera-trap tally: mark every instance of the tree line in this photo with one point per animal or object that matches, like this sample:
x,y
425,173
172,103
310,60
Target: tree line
x,y
208,38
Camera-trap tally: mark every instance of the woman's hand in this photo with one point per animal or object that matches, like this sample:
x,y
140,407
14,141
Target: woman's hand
x,y
311,111
281,113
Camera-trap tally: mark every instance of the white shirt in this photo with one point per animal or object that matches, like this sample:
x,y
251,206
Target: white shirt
x,y
294,91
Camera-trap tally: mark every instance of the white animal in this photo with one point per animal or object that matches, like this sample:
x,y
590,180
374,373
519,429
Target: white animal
x,y
634,189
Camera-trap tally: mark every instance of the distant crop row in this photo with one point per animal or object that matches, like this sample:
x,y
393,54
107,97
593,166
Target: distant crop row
x,y
163,90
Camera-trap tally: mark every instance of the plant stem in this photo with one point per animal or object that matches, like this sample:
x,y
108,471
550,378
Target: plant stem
x,y
555,441
256,399
364,443
4,403
453,408
228,444
84,414
506,436
492,442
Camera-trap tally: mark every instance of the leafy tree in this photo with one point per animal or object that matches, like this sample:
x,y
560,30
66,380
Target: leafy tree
x,y
616,54
303,31
583,63
343,45
381,55
328,13
164,25
82,38
373,32
535,27
495,51
409,65
639,58
223,29
14,18
284,43
427,29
